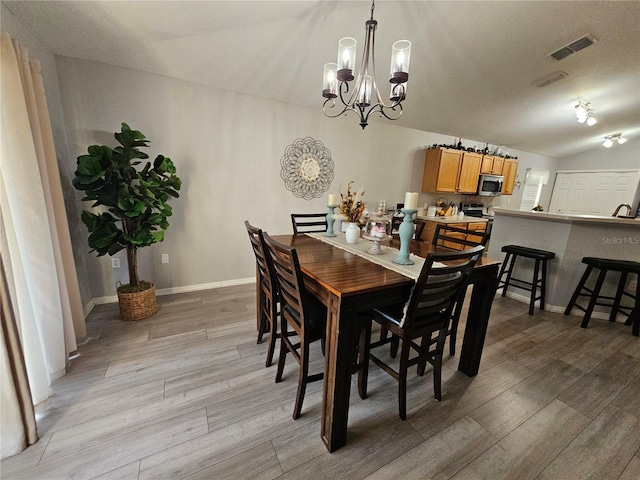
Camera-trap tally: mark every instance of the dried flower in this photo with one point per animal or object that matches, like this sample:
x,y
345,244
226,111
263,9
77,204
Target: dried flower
x,y
351,205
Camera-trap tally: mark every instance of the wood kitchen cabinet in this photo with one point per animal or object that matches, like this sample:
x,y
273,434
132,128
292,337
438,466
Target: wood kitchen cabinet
x,y
509,172
492,165
451,171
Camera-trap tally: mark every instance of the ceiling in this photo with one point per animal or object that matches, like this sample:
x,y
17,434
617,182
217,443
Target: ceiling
x,y
473,70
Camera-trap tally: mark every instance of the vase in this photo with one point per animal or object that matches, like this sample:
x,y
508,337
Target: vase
x,y
352,232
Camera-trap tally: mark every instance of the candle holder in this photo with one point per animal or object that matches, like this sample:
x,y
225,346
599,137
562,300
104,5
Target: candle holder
x,y
329,232
405,231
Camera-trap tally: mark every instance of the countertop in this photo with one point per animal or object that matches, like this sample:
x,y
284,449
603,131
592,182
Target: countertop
x,y
568,218
453,219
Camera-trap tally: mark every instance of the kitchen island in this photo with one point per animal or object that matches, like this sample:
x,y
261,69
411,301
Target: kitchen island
x,y
570,237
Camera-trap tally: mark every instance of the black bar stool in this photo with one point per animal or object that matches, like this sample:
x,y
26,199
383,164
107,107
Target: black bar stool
x,y
625,267
539,281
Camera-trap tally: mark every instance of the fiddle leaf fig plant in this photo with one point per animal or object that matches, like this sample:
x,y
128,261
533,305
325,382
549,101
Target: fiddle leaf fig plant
x,y
133,195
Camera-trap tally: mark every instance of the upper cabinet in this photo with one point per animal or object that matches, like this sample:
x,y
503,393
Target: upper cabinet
x,y
451,171
509,172
492,165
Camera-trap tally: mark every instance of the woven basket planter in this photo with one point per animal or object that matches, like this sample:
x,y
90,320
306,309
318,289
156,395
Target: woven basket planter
x,y
138,305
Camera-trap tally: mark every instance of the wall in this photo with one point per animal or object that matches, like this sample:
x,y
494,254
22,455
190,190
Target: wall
x,y
227,148
622,156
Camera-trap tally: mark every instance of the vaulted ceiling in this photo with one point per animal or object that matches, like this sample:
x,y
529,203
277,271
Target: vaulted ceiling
x,y
474,65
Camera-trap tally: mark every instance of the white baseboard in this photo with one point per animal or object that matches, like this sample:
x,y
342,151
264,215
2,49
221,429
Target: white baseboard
x,y
554,308
172,290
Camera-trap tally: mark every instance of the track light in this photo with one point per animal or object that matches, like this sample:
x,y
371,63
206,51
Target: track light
x,y
585,114
608,140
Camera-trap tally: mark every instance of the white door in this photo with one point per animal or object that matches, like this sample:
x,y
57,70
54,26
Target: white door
x,y
593,193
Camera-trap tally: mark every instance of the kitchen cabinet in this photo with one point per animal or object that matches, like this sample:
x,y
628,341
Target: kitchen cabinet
x,y
509,172
451,171
492,165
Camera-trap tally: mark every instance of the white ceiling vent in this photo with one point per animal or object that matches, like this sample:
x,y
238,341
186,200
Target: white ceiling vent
x,y
551,78
573,47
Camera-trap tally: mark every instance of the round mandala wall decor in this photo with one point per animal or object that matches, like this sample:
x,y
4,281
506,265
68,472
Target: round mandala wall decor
x,y
307,168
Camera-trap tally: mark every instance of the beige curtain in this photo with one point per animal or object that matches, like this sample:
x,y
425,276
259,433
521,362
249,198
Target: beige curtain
x,y
35,242
17,414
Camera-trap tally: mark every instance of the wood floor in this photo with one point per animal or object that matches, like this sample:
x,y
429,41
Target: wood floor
x,y
186,395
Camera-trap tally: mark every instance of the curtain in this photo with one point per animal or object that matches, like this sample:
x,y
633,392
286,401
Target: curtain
x,y
35,242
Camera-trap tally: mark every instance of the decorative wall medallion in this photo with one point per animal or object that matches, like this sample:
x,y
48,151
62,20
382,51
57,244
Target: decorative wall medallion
x,y
307,168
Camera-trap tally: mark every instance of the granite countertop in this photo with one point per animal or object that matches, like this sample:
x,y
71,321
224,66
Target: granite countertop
x,y
453,219
568,218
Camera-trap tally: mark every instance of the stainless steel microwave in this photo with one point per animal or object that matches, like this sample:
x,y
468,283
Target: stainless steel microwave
x,y
490,185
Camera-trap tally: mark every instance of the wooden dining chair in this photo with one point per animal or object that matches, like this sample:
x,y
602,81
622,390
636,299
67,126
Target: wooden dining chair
x,y
428,311
397,221
456,238
307,317
308,222
267,296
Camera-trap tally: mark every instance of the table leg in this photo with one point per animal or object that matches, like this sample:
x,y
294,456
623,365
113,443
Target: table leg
x,y
339,350
484,289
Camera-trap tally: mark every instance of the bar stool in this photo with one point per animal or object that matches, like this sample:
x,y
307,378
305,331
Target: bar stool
x,y
539,281
625,267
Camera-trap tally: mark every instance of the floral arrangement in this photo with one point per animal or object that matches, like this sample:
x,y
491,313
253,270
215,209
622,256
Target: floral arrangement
x,y
351,205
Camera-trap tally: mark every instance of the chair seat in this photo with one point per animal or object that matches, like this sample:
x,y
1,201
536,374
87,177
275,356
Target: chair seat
x,y
628,266
528,252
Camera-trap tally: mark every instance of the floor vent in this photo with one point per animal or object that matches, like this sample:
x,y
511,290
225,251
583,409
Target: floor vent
x,y
573,47
549,79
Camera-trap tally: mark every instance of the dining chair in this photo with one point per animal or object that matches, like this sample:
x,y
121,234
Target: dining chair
x,y
308,222
456,238
307,316
397,221
427,311
267,296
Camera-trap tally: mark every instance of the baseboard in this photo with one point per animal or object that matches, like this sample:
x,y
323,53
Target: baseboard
x,y
555,308
172,290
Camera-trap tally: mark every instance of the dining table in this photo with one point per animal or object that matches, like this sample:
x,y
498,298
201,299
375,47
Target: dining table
x,y
349,284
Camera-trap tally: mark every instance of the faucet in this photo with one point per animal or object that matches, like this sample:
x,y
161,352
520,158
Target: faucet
x,y
615,214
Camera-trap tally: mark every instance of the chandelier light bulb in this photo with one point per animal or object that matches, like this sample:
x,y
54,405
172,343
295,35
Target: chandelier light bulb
x,y
621,140
591,121
607,143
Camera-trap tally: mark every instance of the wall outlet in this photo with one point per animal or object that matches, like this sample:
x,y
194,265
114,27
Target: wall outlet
x,y
165,258
115,262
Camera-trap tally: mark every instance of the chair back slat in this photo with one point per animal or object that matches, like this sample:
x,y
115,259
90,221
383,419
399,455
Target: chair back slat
x,y
457,238
290,281
308,222
438,288
259,249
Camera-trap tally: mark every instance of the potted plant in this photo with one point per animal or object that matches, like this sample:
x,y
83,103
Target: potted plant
x,y
134,198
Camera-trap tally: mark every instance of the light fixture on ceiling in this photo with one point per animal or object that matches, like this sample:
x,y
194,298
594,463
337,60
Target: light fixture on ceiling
x,y
608,140
365,98
584,113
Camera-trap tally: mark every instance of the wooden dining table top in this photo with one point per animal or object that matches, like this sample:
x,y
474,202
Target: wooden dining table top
x,y
344,273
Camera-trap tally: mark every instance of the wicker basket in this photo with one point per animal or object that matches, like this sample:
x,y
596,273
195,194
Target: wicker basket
x,y
138,305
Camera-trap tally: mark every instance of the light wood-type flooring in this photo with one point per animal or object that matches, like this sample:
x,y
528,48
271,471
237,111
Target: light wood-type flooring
x,y
185,394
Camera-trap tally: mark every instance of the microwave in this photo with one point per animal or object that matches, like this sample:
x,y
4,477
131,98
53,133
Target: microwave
x,y
490,185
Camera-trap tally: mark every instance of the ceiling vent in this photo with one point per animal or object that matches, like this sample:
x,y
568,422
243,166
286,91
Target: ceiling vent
x,y
549,79
573,47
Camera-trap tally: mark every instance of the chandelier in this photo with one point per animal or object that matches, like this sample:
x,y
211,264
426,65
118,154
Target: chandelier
x,y
364,98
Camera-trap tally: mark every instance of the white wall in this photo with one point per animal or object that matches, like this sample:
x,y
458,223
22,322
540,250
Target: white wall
x,y
622,156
